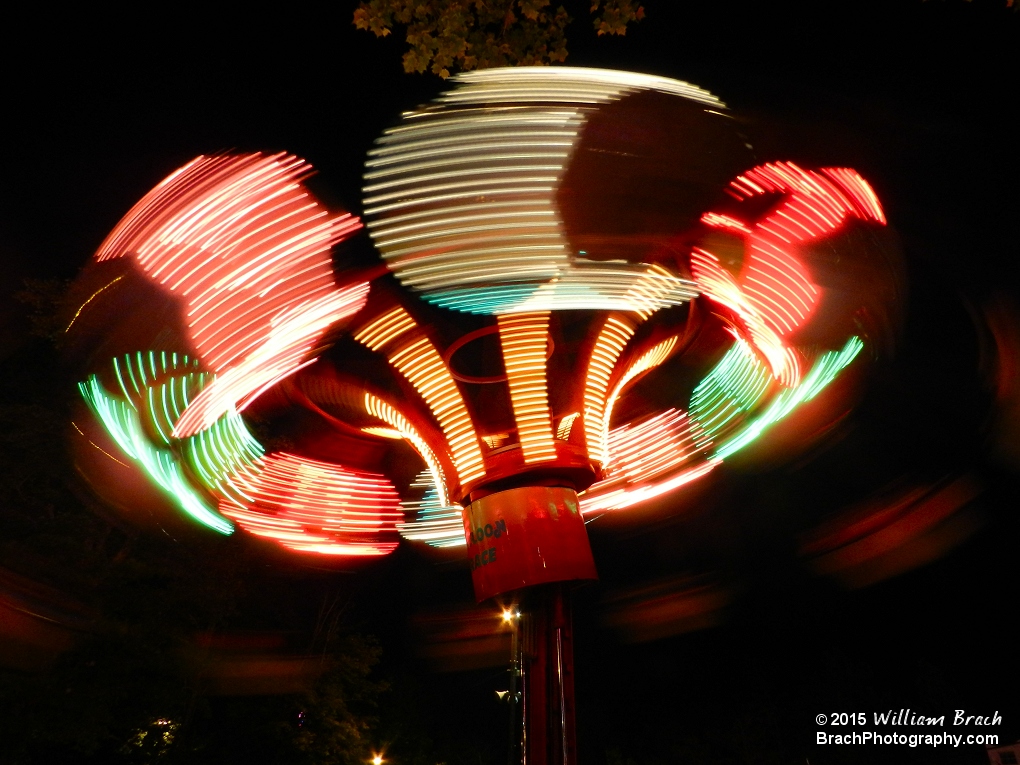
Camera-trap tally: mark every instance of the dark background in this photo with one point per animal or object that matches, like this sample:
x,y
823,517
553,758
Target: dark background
x,y
918,96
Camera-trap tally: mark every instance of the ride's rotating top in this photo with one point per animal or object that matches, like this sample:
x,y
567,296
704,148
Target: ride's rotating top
x,y
596,296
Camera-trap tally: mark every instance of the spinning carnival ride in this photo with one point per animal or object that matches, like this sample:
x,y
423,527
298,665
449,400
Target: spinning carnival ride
x,y
590,295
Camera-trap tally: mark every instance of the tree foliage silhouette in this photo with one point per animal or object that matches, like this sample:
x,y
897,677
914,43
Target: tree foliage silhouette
x,y
448,35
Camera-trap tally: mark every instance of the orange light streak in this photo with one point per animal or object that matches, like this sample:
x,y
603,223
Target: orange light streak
x,y
388,414
383,433
524,339
612,339
385,328
565,425
422,366
650,359
91,297
97,446
495,440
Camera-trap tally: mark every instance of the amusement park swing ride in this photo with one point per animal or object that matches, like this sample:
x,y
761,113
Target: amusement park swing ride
x,y
549,240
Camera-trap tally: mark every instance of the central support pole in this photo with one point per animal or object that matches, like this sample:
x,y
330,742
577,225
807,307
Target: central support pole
x,y
531,540
548,678
516,693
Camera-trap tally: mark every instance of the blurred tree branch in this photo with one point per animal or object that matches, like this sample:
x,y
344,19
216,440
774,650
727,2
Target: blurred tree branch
x,y
448,35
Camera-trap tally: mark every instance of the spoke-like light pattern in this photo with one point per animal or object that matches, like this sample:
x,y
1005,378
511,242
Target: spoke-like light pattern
x,y
421,365
612,339
424,368
524,339
404,429
461,199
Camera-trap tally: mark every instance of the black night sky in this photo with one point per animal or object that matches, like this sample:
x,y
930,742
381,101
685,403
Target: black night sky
x,y
98,107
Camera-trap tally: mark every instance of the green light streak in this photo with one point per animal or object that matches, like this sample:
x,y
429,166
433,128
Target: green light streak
x,y
120,378
178,466
224,450
131,374
124,426
824,371
154,418
480,299
734,386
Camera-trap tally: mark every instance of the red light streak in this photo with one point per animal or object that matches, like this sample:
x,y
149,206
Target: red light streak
x,y
246,245
774,294
313,506
282,353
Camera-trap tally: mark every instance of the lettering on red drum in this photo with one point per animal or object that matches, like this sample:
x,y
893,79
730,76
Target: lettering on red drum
x,y
484,558
489,531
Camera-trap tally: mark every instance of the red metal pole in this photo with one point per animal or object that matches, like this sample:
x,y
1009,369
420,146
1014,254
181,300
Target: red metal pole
x,y
550,735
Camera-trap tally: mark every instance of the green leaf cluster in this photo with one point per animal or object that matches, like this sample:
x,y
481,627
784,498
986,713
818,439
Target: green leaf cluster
x,y
448,35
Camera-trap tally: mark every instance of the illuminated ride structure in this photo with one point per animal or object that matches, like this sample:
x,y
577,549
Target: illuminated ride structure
x,y
590,295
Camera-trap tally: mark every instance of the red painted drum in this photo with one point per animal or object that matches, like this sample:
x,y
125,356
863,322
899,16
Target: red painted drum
x,y
526,536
